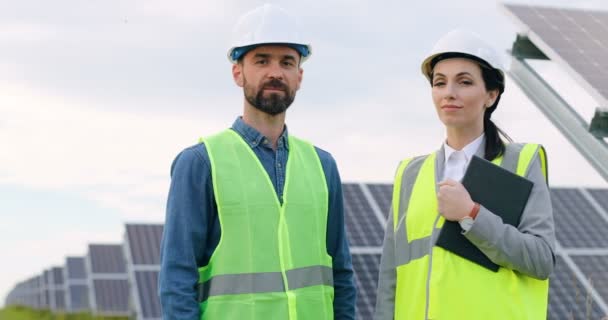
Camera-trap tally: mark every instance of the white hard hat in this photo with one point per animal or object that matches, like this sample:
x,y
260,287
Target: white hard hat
x,y
465,44
267,24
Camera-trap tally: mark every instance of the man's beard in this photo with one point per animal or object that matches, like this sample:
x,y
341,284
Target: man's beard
x,y
272,104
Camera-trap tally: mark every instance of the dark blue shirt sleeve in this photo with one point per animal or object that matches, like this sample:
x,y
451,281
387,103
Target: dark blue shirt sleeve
x,y
189,205
345,292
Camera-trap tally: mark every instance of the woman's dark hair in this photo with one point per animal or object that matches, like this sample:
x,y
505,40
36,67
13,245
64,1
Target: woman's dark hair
x,y
493,80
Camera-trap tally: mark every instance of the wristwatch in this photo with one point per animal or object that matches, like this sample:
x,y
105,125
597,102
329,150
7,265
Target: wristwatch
x,y
466,223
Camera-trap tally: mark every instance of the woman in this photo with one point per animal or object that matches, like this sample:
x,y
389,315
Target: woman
x,y
419,280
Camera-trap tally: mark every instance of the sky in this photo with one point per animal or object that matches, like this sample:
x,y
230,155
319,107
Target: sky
x,y
98,97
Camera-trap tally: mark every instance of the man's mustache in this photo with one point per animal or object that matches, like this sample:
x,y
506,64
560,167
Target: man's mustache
x,y
275,84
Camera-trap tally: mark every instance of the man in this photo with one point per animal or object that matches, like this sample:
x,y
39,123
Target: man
x,y
255,225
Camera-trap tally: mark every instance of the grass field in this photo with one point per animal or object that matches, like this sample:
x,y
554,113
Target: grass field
x,y
23,313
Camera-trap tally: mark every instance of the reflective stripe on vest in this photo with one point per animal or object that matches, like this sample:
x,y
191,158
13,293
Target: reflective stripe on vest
x,y
438,284
265,282
271,261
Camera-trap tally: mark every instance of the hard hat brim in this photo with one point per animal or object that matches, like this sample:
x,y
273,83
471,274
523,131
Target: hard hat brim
x,y
430,61
235,53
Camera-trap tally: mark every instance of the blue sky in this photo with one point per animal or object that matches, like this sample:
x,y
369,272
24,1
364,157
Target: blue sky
x,y
97,98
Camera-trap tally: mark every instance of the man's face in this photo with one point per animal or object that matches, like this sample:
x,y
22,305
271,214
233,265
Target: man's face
x,y
270,76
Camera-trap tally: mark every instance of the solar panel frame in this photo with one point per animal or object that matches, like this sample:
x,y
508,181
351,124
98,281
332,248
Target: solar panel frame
x,y
539,25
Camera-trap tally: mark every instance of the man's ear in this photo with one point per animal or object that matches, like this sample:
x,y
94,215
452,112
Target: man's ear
x,y
237,74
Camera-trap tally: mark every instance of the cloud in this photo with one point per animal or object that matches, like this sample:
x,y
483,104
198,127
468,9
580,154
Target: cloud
x,y
54,143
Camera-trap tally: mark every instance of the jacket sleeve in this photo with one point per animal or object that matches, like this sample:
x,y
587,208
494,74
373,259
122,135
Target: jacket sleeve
x,y
529,248
387,278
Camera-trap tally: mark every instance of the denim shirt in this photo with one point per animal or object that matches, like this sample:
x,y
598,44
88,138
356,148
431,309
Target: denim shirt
x,y
192,229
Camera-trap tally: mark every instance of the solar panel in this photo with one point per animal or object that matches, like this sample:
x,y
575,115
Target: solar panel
x,y
111,296
142,251
148,294
57,291
76,285
362,227
144,243
108,280
78,297
577,223
366,278
107,258
568,298
576,39
37,296
59,300
383,194
57,276
45,290
595,270
75,268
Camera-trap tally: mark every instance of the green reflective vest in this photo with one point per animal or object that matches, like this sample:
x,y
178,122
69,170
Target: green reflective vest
x,y
271,261
433,283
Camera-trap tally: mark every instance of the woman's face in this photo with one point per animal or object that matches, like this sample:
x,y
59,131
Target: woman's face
x,y
459,93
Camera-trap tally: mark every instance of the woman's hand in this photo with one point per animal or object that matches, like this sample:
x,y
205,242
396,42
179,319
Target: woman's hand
x,y
453,200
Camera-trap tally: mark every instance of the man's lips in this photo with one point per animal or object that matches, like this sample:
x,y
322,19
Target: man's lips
x,y
274,89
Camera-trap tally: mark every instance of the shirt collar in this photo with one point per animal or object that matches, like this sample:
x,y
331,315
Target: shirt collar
x,y
253,137
469,150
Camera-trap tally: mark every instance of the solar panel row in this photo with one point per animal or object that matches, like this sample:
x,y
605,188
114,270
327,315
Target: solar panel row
x,y
581,262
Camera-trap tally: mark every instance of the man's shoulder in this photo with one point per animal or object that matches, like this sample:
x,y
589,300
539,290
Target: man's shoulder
x,y
324,156
327,161
192,152
191,157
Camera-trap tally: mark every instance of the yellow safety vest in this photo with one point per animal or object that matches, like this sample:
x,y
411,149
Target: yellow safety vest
x,y
433,283
271,261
